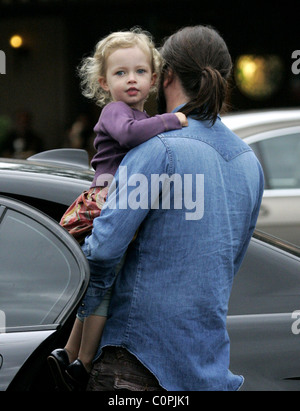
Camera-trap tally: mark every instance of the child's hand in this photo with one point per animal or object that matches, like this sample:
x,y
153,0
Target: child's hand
x,y
182,118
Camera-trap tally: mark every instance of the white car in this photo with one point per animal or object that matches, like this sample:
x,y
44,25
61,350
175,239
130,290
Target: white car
x,y
275,138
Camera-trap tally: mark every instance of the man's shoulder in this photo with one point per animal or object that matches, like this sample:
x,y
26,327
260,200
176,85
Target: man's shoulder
x,y
156,143
153,151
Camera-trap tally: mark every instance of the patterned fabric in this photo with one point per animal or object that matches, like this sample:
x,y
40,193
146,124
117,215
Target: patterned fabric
x,y
79,217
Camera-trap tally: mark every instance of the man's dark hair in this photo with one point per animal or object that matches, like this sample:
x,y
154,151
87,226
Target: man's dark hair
x,y
200,58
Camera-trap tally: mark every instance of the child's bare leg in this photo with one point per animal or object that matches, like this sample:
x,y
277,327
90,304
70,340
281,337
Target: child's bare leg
x,y
73,344
91,336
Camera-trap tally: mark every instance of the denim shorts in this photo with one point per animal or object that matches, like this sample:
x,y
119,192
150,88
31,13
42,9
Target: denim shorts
x,y
102,309
118,369
90,302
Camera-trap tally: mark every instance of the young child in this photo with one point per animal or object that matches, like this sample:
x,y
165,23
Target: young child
x,y
122,72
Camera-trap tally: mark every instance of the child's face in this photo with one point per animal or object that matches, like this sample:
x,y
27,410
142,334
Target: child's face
x,y
129,76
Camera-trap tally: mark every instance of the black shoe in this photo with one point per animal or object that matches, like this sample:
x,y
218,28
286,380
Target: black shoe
x,y
78,375
58,362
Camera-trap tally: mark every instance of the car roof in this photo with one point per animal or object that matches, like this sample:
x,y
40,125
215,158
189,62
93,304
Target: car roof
x,y
248,123
43,179
77,158
49,166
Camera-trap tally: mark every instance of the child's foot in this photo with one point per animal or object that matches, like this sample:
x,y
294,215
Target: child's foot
x,y
58,362
72,355
78,375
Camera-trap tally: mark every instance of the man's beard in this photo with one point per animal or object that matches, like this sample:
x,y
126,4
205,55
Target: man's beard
x,y
161,100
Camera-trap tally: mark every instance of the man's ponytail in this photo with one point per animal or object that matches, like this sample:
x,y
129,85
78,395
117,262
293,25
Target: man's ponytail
x,y
200,58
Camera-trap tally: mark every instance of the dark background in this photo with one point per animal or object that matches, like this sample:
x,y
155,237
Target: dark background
x,y
41,78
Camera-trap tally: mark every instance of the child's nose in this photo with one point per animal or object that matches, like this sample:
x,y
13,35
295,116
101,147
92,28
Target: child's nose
x,y
132,78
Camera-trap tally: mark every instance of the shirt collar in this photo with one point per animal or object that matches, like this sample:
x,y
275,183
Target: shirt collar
x,y
178,108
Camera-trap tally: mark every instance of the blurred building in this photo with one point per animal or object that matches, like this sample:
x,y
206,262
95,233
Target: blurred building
x,y
55,34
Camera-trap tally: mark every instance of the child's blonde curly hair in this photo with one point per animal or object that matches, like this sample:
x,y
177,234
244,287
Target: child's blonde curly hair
x,y
91,68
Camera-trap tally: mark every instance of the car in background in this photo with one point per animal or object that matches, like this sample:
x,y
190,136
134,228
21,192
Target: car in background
x,y
263,317
43,276
274,135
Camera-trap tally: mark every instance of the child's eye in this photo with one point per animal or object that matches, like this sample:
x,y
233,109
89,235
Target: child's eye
x,y
141,71
120,73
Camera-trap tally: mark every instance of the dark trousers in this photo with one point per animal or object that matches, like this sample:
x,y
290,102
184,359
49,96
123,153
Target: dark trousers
x,y
118,369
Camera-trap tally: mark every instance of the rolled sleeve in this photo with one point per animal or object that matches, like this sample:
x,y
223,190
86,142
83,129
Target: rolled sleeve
x,y
116,226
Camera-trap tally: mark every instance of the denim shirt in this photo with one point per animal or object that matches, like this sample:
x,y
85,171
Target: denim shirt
x,y
170,300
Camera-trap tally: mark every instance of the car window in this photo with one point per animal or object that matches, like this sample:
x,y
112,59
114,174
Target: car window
x,y
280,159
38,272
268,280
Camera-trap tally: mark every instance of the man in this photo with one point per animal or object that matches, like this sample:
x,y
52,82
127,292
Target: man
x,y
166,327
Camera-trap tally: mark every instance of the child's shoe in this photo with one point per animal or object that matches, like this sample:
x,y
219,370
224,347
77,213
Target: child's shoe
x,y
58,362
78,375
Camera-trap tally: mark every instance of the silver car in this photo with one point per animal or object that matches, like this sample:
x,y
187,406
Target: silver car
x,y
275,138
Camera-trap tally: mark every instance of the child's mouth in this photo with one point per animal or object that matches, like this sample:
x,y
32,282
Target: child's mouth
x,y
132,91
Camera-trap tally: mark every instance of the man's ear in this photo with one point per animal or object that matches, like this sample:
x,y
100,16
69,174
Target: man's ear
x,y
168,78
103,83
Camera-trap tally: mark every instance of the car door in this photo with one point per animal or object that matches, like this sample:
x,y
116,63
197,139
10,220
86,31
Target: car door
x,y
43,275
279,154
263,318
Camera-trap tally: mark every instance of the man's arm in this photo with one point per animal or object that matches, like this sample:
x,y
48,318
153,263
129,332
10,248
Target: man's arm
x,y
259,190
120,217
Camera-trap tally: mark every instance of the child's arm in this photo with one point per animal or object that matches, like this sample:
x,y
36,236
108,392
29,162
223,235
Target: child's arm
x,y
182,118
118,122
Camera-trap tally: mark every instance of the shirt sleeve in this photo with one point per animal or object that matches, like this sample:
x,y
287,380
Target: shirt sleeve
x,y
259,190
118,121
119,220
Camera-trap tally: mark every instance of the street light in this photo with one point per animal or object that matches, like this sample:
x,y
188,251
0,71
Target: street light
x,y
258,76
16,41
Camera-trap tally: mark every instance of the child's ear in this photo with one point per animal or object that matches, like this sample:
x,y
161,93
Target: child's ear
x,y
103,83
154,79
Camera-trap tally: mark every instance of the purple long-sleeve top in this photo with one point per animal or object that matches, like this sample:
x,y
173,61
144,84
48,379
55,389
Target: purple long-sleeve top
x,y
121,128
